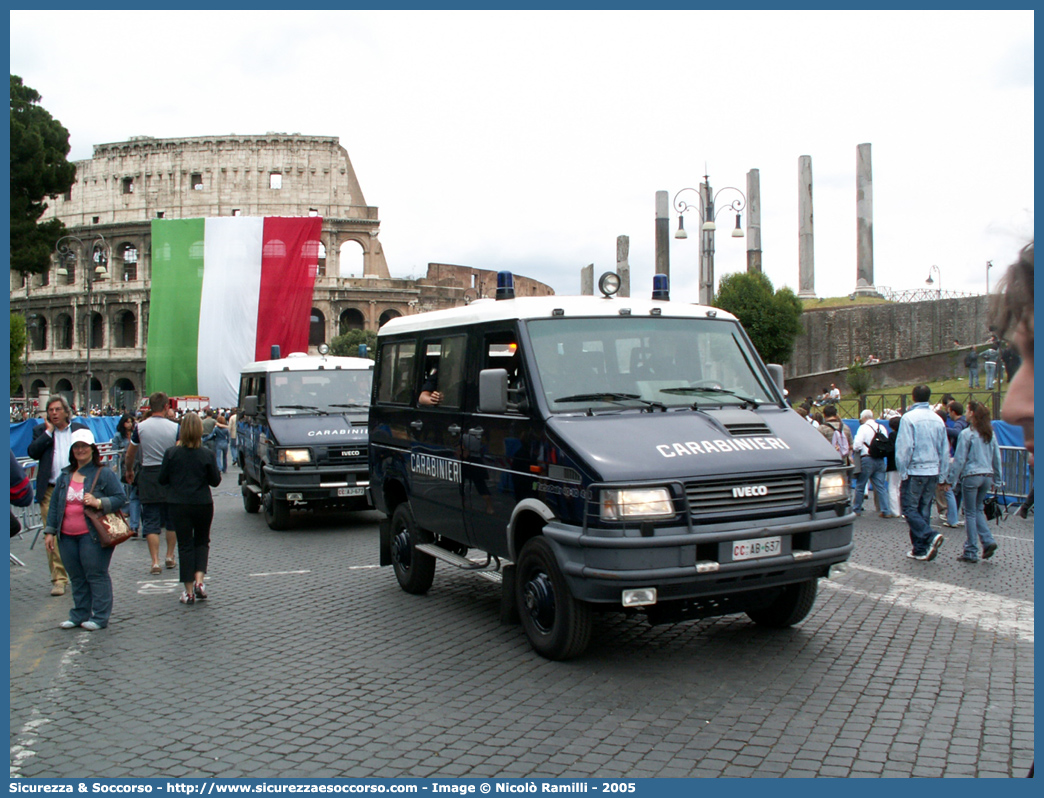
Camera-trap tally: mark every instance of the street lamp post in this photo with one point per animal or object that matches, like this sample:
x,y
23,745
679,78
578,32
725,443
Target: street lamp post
x,y
930,281
99,257
707,214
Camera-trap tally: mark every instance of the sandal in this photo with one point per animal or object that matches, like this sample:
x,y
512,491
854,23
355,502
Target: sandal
x,y
156,570
170,562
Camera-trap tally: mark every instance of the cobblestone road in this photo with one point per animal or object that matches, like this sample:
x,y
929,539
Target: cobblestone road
x,y
309,661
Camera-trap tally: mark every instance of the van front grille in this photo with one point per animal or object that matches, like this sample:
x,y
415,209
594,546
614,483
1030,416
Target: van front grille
x,y
752,493
347,454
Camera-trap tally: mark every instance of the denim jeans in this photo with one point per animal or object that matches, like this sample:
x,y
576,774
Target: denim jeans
x,y
874,473
946,500
916,495
222,456
133,507
973,376
991,374
975,489
88,566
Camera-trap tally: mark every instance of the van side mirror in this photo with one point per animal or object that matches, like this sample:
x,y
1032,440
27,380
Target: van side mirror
x,y
249,405
493,390
776,372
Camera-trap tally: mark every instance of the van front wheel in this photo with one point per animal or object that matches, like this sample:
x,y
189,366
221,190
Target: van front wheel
x,y
557,625
414,569
791,607
251,501
277,512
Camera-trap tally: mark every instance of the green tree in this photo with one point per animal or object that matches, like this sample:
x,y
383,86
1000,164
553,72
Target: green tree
x,y
771,318
17,349
859,378
39,169
347,345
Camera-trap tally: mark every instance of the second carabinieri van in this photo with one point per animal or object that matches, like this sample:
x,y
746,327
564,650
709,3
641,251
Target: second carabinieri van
x,y
604,454
301,432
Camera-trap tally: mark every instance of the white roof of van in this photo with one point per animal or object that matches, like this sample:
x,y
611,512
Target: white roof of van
x,y
299,361
540,307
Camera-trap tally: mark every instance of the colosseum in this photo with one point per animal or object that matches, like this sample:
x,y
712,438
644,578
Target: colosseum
x,y
90,324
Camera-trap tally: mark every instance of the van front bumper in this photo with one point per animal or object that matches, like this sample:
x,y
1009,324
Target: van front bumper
x,y
684,564
318,485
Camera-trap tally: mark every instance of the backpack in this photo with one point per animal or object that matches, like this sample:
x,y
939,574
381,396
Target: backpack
x,y
840,442
882,445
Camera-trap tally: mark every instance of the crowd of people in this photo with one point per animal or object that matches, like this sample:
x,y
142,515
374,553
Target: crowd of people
x,y
162,473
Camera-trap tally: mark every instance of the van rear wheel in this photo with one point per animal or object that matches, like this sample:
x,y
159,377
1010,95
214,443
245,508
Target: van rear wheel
x,y
558,626
793,604
414,569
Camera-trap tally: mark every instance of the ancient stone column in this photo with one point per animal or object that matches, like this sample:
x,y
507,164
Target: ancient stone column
x,y
587,280
753,221
663,235
806,261
623,268
707,247
864,222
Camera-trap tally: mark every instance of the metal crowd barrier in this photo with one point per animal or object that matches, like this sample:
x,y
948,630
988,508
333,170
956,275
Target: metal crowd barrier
x,y
1018,478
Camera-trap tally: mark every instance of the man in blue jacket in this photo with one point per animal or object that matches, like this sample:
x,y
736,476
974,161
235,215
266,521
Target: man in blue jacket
x,y
922,455
50,448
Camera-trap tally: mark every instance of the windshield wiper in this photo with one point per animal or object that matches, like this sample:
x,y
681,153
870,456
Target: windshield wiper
x,y
303,407
613,397
349,404
711,389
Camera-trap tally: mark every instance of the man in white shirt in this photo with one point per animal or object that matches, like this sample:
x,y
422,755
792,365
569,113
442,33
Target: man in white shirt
x,y
874,468
153,436
50,448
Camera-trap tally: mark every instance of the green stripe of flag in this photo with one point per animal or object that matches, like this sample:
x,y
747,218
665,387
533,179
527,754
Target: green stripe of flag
x,y
177,286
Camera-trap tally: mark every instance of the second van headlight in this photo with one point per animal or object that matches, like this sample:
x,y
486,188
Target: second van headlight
x,y
624,503
832,488
294,456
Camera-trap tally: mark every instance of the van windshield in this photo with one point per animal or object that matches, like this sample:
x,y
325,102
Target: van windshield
x,y
328,391
645,362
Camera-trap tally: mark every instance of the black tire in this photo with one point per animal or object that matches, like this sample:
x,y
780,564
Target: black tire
x,y
277,512
557,625
794,603
414,569
251,501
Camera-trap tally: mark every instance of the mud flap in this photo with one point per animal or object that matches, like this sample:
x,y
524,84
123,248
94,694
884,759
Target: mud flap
x,y
385,528
508,608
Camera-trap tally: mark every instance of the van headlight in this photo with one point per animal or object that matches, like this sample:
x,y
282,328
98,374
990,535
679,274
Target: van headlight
x,y
294,456
832,488
624,503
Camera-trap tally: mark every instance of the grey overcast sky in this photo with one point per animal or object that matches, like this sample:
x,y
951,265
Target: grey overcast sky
x,y
530,140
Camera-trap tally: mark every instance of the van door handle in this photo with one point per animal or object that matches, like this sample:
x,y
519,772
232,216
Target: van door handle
x,y
476,431
454,429
417,425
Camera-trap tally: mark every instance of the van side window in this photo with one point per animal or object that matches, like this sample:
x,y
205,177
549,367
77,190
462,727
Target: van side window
x,y
444,369
501,352
396,378
262,400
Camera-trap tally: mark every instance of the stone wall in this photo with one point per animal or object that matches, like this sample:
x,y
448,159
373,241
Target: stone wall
x,y
834,337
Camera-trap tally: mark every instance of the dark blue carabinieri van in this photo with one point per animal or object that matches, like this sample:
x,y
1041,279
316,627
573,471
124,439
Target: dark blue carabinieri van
x,y
302,435
601,453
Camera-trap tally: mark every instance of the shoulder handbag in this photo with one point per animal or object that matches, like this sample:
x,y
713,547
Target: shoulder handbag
x,y
111,527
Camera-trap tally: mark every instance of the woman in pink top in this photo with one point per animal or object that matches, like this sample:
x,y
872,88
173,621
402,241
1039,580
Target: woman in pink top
x,y
69,529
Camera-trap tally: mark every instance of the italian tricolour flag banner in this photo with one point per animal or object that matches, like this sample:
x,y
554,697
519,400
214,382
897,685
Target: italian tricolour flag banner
x,y
223,291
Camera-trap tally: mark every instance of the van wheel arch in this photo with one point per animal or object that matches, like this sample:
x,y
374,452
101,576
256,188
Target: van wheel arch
x,y
527,522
